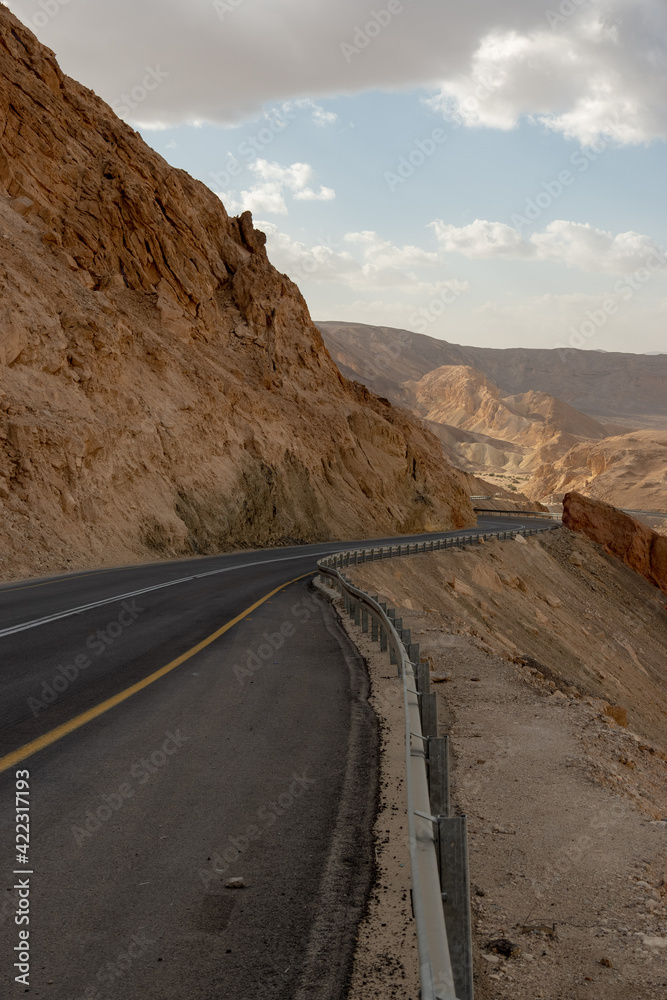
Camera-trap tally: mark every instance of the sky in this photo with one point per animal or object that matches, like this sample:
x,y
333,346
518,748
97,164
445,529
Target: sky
x,y
486,173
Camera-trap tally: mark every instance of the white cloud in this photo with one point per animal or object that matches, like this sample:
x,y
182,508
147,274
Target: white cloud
x,y
574,320
574,244
386,265
268,195
319,116
601,70
322,262
481,239
378,264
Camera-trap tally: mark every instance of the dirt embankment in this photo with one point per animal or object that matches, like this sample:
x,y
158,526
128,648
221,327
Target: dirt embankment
x,y
163,390
548,656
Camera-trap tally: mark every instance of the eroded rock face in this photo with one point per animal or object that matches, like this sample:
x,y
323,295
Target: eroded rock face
x,y
628,470
162,386
639,547
491,429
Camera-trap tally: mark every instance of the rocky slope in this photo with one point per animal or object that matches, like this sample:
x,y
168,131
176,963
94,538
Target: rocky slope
x,y
162,387
547,661
630,389
500,431
628,470
638,546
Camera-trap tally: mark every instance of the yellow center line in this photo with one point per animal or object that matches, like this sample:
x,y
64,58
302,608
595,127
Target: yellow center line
x,y
80,720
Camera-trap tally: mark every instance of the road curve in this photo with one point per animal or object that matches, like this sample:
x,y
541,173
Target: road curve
x,y
183,724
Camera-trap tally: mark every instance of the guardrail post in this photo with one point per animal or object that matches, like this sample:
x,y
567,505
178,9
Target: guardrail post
x,y
383,640
438,774
413,652
422,671
406,637
374,629
364,620
453,835
427,702
429,709
357,613
392,653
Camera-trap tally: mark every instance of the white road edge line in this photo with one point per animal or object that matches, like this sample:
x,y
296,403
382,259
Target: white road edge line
x,y
146,590
12,630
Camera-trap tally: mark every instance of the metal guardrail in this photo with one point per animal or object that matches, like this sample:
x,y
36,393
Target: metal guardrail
x,y
438,841
539,514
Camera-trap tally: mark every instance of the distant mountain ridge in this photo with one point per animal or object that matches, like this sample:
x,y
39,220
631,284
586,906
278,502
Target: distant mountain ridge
x,y
626,389
478,423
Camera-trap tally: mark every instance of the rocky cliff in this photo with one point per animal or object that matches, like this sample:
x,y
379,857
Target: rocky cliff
x,y
162,387
638,546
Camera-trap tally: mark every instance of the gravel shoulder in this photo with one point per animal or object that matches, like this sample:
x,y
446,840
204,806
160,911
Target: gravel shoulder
x,y
567,809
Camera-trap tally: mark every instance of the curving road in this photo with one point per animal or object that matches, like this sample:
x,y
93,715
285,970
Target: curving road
x,y
184,724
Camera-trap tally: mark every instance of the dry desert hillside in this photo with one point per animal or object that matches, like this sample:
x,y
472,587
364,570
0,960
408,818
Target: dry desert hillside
x,y
629,389
162,387
532,421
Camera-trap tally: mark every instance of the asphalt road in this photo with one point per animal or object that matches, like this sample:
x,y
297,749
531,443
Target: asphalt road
x,y
251,755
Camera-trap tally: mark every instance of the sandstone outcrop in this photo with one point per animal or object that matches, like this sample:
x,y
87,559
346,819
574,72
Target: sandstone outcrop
x,y
162,387
638,546
628,470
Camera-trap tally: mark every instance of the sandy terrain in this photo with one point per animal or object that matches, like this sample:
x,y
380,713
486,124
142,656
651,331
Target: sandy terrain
x,y
538,649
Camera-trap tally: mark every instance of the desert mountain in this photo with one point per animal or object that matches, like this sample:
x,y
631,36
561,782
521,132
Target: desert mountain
x,y
627,389
628,470
481,425
546,420
162,387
